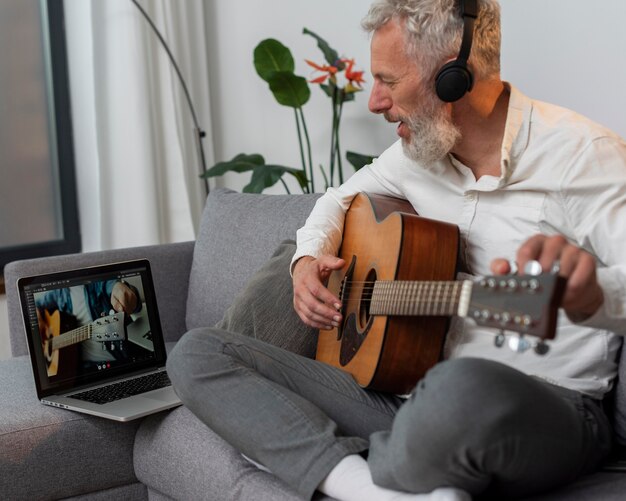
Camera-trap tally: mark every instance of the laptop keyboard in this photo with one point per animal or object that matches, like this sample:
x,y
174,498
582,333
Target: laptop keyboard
x,y
124,389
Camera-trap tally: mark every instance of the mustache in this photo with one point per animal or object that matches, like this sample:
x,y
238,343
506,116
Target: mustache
x,y
397,118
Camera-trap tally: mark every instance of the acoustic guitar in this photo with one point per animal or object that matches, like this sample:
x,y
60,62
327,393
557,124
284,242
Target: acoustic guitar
x,y
104,329
397,291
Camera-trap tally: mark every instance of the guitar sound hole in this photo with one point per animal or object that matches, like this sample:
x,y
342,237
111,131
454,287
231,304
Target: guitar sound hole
x,y
366,298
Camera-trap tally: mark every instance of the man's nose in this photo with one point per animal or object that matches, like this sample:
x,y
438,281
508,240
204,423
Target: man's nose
x,y
379,101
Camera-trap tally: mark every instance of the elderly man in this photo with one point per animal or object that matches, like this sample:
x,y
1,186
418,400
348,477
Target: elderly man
x,y
522,180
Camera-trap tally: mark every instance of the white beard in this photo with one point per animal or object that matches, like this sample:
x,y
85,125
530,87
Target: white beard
x,y
433,135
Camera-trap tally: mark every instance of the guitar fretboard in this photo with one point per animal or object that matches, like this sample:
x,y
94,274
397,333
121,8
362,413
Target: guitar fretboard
x,y
72,337
420,298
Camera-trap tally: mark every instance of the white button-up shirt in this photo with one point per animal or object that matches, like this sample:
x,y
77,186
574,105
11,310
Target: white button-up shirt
x,y
560,174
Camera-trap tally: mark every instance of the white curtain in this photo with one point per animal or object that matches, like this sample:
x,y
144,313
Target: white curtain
x,y
136,150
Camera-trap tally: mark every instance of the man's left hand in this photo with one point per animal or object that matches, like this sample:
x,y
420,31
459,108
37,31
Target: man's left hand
x,y
583,294
123,298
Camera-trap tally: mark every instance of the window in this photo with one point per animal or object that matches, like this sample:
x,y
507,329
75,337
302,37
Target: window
x,y
38,209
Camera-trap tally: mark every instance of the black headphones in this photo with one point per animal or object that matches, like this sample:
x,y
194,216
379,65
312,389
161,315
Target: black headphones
x,y
454,79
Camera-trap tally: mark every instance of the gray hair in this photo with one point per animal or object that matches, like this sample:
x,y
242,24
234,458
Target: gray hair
x,y
433,32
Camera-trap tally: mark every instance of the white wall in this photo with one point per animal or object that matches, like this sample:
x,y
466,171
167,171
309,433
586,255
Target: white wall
x,y
569,52
564,51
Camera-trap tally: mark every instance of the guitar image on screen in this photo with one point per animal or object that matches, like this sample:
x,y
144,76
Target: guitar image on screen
x,y
104,329
398,289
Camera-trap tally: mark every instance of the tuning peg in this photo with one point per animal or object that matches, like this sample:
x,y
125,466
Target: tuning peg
x,y
519,344
541,347
532,268
499,339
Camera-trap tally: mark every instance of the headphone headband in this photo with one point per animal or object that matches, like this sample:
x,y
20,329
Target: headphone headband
x,y
469,13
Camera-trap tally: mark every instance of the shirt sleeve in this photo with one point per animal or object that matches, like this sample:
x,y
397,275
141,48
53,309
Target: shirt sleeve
x,y
323,229
595,201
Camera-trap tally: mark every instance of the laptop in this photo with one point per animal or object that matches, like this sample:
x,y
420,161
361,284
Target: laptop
x,y
95,340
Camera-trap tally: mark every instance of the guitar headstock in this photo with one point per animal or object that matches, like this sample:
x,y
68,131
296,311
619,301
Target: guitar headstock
x,y
109,328
526,304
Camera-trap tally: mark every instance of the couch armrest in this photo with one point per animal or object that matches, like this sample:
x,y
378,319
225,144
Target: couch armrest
x,y
171,264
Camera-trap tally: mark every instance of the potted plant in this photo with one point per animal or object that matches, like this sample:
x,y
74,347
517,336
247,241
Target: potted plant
x,y
338,79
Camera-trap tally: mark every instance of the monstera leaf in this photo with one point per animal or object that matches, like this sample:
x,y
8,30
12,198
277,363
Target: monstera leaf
x,y
274,64
358,160
263,175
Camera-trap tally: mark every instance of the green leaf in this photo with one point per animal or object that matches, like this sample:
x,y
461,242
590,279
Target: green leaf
x,y
328,89
289,89
330,54
265,176
270,56
239,163
358,160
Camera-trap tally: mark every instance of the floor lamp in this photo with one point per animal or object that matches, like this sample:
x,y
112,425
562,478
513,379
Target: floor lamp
x,y
199,132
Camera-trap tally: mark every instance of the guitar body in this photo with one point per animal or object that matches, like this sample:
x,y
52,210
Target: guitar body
x,y
59,362
385,240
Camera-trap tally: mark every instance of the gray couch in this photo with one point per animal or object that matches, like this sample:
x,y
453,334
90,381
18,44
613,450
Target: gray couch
x,y
48,453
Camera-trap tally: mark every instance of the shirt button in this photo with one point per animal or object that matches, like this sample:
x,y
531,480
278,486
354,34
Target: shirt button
x,y
470,197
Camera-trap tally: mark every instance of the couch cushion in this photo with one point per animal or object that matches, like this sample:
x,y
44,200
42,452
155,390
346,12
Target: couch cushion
x,y
238,233
53,453
264,309
179,456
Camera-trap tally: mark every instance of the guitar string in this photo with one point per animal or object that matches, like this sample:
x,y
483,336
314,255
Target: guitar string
x,y
432,290
71,335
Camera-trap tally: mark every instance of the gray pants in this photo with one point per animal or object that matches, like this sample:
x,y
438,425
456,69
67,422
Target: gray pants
x,y
473,424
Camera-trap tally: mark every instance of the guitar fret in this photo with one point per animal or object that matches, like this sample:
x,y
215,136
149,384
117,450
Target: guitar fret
x,y
415,297
435,298
412,303
406,288
416,300
393,298
441,289
429,299
454,298
441,297
449,288
423,298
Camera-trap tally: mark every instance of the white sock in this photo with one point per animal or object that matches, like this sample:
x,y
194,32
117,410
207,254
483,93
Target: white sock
x,y
351,480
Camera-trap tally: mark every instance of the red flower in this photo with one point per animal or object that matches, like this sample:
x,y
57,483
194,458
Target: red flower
x,y
329,71
354,77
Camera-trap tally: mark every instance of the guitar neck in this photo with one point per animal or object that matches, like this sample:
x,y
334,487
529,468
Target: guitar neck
x,y
72,337
420,298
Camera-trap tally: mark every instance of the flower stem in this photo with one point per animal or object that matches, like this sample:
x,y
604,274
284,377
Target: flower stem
x,y
337,147
332,136
308,145
300,141
287,187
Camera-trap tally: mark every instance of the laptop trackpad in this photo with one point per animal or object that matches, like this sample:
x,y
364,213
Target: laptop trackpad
x,y
162,395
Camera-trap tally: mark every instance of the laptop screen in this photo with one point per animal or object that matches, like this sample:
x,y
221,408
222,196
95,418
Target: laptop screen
x,y
91,324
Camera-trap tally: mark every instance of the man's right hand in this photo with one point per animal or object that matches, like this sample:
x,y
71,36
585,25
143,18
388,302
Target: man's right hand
x,y
313,302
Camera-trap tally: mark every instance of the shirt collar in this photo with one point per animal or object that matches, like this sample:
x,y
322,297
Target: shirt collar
x,y
516,132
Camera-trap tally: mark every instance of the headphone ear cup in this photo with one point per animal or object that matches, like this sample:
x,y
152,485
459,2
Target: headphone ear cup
x,y
453,81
